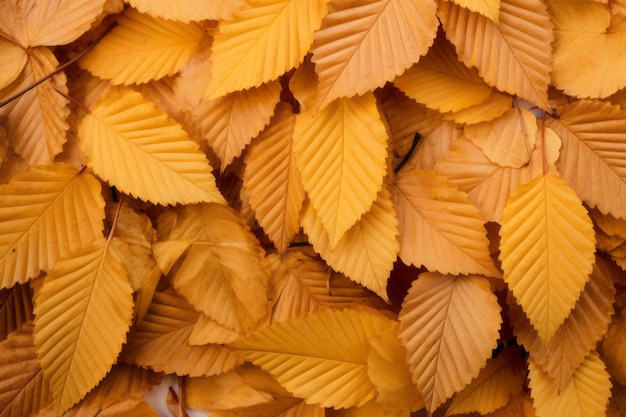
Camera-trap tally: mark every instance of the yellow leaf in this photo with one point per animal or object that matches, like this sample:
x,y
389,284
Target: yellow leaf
x,y
160,341
142,48
601,36
185,11
23,388
500,379
39,210
578,334
441,82
547,250
487,8
438,224
520,406
31,23
507,140
162,164
14,59
230,122
224,262
613,348
370,409
36,121
448,326
367,251
491,47
341,155
609,224
262,41
586,395
83,312
330,371
594,140
361,46
129,407
208,331
272,182
494,106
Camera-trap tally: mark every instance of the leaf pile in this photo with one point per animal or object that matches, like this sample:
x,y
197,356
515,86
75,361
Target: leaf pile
x,y
313,207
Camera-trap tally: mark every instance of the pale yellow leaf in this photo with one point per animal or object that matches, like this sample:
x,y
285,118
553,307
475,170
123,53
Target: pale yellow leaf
x,y
83,312
361,46
142,48
23,388
330,371
367,251
14,59
32,23
186,11
271,179
494,106
341,155
513,55
16,308
224,262
36,120
579,333
586,395
230,122
161,164
488,8
593,153
41,220
507,140
448,326
439,226
263,40
441,82
160,341
547,250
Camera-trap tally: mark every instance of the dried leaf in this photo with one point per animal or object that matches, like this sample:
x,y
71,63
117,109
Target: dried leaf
x,y
184,11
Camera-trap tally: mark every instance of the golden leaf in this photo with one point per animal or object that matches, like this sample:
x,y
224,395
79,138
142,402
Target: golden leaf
x,y
613,348
46,216
494,106
83,312
14,59
579,333
487,8
361,46
260,42
129,407
448,326
587,394
490,47
30,23
547,251
36,121
142,48
443,83
160,341
16,308
594,140
163,165
438,223
341,155
208,331
370,409
23,388
272,182
520,406
185,11
609,224
331,372
230,122
367,251
224,262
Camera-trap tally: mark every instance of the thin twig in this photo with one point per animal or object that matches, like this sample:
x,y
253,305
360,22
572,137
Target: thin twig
x,y
59,69
408,155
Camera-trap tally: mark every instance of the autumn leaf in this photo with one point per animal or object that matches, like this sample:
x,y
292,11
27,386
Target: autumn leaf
x,y
13,63
547,251
183,11
16,308
487,8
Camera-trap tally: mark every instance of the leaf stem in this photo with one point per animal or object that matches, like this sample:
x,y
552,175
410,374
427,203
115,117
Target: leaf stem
x,y
408,155
59,69
117,215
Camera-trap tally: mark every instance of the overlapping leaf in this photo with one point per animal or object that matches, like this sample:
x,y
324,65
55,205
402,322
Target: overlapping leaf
x,y
341,154
362,46
272,181
438,224
547,251
55,225
161,164
448,326
16,308
514,55
185,11
13,62
144,48
488,8
261,42
83,312
594,152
